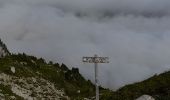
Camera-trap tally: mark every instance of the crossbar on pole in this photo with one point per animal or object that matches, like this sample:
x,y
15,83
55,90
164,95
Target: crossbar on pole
x,y
96,60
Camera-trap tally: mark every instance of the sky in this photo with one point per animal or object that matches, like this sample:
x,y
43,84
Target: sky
x,y
134,34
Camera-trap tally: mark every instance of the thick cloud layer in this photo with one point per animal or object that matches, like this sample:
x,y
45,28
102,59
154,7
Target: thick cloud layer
x,y
135,34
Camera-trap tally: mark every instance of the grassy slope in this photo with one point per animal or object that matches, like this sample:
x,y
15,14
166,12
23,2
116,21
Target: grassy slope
x,y
157,86
69,80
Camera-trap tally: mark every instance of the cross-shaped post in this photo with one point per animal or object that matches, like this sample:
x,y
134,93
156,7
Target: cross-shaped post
x,y
96,60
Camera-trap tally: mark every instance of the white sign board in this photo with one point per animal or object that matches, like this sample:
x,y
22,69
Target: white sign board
x,y
96,59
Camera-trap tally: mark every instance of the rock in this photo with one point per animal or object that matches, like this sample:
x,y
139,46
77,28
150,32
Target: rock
x,y
23,63
12,97
1,95
13,69
145,97
3,50
78,91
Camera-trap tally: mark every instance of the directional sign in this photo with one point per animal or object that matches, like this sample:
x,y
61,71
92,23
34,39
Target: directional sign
x,y
96,59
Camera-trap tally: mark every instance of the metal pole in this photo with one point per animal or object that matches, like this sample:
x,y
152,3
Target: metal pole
x,y
96,60
96,78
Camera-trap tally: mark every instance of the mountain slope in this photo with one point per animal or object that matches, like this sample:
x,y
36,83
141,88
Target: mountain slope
x,y
157,86
35,74
27,77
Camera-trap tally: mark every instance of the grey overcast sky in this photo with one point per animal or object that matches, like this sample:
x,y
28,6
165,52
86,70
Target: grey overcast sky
x,y
134,34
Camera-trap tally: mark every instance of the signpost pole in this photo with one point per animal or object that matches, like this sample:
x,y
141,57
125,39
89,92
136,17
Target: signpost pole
x,y
96,78
96,60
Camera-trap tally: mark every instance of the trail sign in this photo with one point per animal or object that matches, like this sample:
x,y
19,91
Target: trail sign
x,y
96,60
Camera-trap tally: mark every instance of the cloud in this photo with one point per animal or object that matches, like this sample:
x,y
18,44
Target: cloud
x,y
134,34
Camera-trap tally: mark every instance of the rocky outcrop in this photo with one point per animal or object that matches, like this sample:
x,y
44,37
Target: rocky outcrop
x,y
31,88
3,50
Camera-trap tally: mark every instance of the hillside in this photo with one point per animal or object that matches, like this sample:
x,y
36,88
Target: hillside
x,y
157,86
28,77
23,77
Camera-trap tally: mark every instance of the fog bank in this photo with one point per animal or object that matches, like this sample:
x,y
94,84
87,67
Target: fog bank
x,y
134,34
